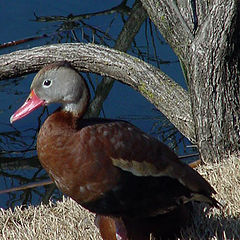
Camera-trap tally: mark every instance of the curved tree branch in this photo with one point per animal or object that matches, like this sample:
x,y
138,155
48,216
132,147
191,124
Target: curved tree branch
x,y
170,98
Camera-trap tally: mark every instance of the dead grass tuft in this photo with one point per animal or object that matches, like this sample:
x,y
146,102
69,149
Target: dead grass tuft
x,y
224,223
65,220
68,220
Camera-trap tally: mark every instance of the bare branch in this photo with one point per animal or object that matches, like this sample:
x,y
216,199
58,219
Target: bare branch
x,y
121,8
125,38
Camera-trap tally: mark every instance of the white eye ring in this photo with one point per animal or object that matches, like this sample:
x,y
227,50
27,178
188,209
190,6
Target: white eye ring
x,y
47,83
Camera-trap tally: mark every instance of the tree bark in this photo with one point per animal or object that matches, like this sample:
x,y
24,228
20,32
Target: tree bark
x,y
210,59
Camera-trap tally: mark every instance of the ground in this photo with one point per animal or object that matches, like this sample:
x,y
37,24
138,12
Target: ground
x,y
67,220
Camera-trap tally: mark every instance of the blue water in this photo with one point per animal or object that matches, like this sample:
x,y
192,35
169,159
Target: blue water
x,y
17,22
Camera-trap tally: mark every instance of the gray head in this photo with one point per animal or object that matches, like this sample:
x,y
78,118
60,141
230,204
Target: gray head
x,y
61,83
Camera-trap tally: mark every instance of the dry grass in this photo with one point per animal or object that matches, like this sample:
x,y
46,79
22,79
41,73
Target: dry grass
x,y
67,220
64,221
220,224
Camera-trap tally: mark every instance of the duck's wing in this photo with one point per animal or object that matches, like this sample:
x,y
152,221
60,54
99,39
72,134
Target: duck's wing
x,y
151,180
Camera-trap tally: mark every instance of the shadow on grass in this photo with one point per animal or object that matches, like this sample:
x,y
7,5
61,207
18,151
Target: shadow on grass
x,y
212,223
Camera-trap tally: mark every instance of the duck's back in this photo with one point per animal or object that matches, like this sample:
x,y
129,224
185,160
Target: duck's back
x,y
111,167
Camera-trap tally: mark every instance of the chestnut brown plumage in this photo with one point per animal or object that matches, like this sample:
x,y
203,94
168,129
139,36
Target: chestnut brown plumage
x,y
110,167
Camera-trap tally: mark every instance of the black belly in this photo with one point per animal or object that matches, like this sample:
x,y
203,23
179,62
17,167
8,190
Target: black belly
x,y
138,197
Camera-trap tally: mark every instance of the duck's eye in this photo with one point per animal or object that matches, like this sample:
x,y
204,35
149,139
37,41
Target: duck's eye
x,y
47,83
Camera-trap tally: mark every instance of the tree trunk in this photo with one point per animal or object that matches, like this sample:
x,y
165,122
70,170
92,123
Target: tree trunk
x,y
211,60
215,85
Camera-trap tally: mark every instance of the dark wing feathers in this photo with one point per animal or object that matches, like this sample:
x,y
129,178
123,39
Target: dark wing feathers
x,y
151,174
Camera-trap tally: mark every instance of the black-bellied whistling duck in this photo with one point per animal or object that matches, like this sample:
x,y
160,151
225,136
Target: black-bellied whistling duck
x,y
133,182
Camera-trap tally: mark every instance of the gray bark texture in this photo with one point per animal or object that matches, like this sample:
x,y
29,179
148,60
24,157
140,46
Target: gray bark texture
x,y
208,114
211,60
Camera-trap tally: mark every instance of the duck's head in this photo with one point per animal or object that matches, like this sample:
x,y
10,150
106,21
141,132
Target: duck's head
x,y
56,83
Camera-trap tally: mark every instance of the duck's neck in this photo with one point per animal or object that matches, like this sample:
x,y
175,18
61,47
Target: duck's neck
x,y
77,109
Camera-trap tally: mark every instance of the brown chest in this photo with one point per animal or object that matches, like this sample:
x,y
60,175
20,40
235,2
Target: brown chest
x,y
76,161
